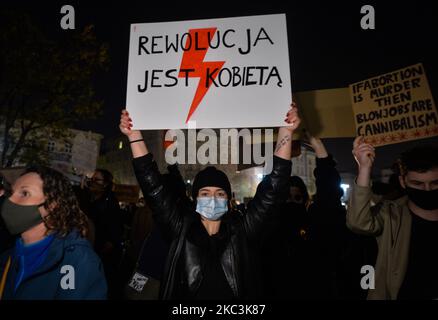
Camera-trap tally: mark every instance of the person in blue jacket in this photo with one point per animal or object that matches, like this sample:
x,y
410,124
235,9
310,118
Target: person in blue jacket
x,y
51,258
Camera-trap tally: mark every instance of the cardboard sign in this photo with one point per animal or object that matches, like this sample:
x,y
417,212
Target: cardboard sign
x,y
217,73
394,107
126,193
85,153
326,113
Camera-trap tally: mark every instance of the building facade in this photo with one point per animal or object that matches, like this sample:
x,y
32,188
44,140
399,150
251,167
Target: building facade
x,y
74,155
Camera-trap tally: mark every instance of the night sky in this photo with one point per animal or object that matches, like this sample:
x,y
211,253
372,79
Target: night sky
x,y
328,49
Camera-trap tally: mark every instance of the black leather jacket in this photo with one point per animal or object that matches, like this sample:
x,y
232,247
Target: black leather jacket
x,y
181,227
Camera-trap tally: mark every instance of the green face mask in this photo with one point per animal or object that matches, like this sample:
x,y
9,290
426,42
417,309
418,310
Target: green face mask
x,y
20,218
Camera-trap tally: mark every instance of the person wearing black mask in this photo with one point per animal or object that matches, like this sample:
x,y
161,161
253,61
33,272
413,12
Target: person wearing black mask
x,y
288,254
406,228
284,241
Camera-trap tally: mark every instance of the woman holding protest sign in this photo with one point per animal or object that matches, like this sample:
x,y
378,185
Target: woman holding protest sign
x,y
213,254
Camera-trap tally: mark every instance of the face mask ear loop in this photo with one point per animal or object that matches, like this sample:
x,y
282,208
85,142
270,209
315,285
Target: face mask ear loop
x,y
48,213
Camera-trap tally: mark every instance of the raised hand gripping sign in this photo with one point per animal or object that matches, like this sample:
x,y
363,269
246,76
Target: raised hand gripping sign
x,y
217,73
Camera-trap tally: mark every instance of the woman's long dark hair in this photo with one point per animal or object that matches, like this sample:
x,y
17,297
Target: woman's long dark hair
x,y
61,203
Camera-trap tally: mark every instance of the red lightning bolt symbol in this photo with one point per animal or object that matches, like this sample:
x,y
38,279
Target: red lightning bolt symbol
x,y
194,59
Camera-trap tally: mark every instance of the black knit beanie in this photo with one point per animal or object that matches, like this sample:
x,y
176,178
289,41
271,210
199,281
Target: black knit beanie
x,y
211,177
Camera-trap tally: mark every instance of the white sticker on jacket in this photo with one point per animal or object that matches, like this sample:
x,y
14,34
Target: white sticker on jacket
x,y
138,282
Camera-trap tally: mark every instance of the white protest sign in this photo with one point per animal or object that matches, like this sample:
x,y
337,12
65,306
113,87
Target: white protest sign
x,y
216,73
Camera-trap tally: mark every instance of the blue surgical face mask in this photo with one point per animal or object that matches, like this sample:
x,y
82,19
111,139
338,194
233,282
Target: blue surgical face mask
x,y
211,208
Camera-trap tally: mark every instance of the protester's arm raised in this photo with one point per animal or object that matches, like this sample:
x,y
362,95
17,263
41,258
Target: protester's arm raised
x,y
273,189
166,211
361,218
138,148
327,178
364,154
316,144
284,141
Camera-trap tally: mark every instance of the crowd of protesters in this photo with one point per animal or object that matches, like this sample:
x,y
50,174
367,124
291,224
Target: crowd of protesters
x,y
63,242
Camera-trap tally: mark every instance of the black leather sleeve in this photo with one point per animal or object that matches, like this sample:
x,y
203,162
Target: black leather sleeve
x,y
271,192
162,202
328,182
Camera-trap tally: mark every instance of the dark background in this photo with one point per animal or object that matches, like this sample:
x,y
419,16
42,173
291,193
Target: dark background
x,y
328,49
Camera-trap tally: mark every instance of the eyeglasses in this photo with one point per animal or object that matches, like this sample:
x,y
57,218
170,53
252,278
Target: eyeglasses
x,y
93,179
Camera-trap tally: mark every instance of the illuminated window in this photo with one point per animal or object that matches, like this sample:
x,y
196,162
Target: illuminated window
x,y
67,147
51,146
